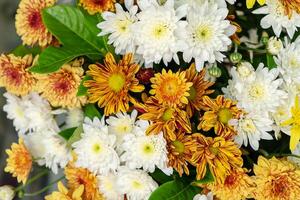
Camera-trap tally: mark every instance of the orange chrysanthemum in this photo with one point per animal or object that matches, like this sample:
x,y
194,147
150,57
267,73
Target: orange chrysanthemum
x,y
220,155
217,114
29,24
179,152
237,186
276,180
60,88
291,6
77,176
197,90
14,74
19,161
164,118
112,83
64,194
170,88
97,6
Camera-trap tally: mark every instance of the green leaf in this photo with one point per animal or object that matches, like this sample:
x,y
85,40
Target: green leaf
x,y
175,190
91,111
67,133
22,50
82,91
208,178
76,31
160,177
52,58
75,136
270,61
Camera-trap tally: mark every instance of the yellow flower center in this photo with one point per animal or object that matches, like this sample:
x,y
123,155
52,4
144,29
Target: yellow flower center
x,y
294,63
179,146
257,91
116,82
224,115
248,126
214,150
124,128
97,148
193,93
203,33
123,26
136,184
148,148
168,114
160,30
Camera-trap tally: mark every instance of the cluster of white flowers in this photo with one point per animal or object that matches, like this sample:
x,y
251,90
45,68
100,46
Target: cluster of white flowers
x,y
120,153
36,123
158,32
266,95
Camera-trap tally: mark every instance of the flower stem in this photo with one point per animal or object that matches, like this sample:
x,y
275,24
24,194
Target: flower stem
x,y
252,49
44,189
33,179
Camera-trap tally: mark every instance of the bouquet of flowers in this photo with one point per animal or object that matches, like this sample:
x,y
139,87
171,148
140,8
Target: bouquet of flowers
x,y
155,99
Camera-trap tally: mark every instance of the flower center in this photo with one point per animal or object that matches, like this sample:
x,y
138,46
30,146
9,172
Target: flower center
x,y
179,146
97,148
99,2
294,63
123,26
168,114
148,148
243,71
203,33
136,184
160,30
230,180
13,75
279,186
35,20
214,150
62,86
124,128
224,115
116,82
193,93
257,91
248,126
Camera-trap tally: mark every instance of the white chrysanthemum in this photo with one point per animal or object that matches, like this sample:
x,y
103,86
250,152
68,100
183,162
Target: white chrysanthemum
x,y
48,149
74,117
277,19
207,34
209,196
119,26
252,127
288,62
30,113
95,150
157,29
261,93
15,110
121,125
136,184
144,151
108,187
7,192
274,45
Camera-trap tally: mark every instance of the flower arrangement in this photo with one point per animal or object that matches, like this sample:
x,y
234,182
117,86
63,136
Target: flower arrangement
x,y
155,99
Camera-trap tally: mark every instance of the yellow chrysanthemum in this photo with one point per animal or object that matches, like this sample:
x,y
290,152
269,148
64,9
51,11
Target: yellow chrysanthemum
x,y
19,161
14,74
77,176
112,83
220,155
250,3
97,6
29,24
60,88
197,90
276,180
64,194
237,186
294,122
217,115
164,118
170,88
179,152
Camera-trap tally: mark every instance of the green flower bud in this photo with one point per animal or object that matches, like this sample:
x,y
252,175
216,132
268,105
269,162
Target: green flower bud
x,y
215,71
235,57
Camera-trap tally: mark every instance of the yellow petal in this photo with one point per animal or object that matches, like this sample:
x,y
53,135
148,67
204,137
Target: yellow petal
x,y
78,192
295,137
261,2
250,3
287,122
